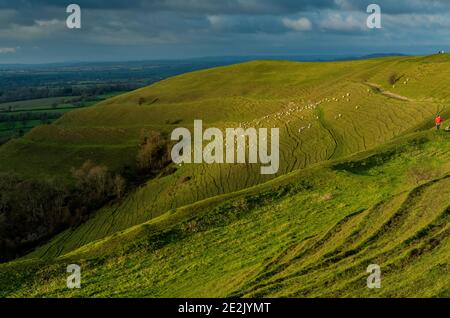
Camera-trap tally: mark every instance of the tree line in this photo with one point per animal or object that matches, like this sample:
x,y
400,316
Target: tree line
x,y
18,93
32,211
11,120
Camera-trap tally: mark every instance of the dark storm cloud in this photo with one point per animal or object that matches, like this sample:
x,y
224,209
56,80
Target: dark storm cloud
x,y
237,6
400,6
127,29
197,6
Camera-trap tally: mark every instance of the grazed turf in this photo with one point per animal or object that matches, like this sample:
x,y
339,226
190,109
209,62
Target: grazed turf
x,y
299,243
310,233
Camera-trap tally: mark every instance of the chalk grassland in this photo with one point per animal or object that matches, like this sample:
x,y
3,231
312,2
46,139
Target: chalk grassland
x,y
344,115
310,233
177,237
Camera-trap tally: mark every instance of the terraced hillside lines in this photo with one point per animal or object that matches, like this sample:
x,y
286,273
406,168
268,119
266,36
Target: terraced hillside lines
x,y
324,111
408,232
310,233
231,94
336,151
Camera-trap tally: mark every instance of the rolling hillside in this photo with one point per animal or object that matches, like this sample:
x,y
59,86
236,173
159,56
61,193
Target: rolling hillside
x,y
362,180
310,233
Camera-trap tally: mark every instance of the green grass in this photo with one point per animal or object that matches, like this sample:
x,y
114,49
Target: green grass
x,y
310,233
266,94
354,189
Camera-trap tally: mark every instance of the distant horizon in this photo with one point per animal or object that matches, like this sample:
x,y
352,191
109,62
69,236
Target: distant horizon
x,y
294,57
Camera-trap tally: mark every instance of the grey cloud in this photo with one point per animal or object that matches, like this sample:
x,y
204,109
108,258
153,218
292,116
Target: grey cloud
x,y
160,28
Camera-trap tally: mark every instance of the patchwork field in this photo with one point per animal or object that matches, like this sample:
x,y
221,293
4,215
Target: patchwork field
x,y
363,179
17,118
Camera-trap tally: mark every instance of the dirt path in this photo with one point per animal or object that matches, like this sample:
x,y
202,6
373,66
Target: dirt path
x,y
377,88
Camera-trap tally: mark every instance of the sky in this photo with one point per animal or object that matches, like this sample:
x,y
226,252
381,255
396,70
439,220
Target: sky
x,y
35,31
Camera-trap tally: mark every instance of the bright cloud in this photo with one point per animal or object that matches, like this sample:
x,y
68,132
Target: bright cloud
x,y
6,50
301,24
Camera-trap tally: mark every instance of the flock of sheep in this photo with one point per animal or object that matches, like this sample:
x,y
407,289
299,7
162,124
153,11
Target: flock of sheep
x,y
293,108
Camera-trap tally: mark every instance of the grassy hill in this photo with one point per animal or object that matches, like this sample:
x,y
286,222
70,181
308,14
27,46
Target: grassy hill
x,y
367,183
310,233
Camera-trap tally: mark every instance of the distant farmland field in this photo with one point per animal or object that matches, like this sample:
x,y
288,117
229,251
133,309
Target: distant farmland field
x,y
17,118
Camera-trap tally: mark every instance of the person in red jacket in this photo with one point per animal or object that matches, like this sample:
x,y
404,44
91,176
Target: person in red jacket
x,y
438,122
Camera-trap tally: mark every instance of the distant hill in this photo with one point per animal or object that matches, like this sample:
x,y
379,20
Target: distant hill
x,y
367,183
296,58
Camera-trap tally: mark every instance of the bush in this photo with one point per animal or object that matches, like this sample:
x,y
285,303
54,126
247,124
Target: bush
x,y
120,185
394,78
154,152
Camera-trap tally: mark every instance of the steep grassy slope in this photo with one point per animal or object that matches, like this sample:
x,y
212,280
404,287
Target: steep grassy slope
x,y
284,94
347,114
310,233
326,221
